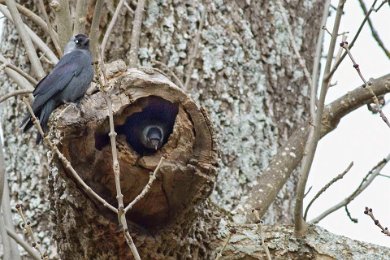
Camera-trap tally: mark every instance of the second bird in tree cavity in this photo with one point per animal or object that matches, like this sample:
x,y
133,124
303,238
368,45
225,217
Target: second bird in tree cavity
x,y
148,130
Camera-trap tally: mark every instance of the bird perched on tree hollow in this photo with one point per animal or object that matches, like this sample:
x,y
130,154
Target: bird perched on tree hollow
x,y
67,82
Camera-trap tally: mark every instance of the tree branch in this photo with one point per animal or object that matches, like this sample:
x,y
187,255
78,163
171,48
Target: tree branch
x,y
36,65
363,185
110,27
315,130
80,18
323,189
272,179
34,37
94,32
135,34
53,35
62,21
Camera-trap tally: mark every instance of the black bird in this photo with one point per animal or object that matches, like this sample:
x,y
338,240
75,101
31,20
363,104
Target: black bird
x,y
66,83
148,130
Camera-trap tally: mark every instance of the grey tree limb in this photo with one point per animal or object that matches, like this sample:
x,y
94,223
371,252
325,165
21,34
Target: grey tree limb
x,y
62,20
288,157
36,65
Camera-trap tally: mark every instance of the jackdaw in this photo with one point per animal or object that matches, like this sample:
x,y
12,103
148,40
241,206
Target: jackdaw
x,y
66,83
148,130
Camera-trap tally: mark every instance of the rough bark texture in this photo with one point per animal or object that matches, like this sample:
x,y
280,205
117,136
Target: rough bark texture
x,y
247,78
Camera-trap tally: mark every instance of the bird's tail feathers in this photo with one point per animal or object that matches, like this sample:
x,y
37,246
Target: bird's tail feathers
x,y
26,123
44,117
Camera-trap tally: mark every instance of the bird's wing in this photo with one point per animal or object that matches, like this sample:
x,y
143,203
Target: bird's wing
x,y
70,65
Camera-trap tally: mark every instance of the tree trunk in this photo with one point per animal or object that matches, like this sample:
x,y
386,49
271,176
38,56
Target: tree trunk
x,y
247,78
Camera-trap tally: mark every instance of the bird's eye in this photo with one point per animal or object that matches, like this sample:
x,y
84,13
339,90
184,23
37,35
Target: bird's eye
x,y
76,41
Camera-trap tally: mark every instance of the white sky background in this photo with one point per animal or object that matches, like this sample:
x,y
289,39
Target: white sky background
x,y
361,137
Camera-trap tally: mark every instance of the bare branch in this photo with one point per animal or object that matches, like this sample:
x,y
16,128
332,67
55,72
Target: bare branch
x,y
323,189
32,16
384,230
8,64
135,34
94,32
194,51
36,65
363,185
80,18
373,31
6,219
315,130
338,62
288,157
110,27
35,38
15,93
27,227
52,34
62,21
147,187
23,244
344,45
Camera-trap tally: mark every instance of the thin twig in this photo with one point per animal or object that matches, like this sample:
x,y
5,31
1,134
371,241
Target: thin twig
x,y
354,220
315,130
24,36
384,230
225,243
135,34
110,27
373,31
27,227
80,17
14,93
23,244
338,62
147,187
8,64
260,229
66,162
194,52
344,45
321,191
53,35
367,180
119,195
6,219
115,164
317,61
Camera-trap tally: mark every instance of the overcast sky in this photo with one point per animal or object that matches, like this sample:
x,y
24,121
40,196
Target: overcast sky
x,y
361,137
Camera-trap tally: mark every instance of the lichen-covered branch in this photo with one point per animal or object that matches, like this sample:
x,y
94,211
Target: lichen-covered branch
x,y
283,164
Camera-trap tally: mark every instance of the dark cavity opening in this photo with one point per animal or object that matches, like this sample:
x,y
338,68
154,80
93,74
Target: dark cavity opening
x,y
145,131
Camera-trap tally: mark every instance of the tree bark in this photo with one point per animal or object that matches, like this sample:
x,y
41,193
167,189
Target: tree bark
x,y
249,81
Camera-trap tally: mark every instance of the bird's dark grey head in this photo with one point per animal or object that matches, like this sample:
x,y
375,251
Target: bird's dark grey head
x,y
153,137
79,41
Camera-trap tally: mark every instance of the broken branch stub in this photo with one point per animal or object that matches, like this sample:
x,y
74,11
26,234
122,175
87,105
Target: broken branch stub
x,y
142,98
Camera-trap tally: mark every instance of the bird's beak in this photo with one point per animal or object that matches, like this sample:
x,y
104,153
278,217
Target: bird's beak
x,y
155,144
